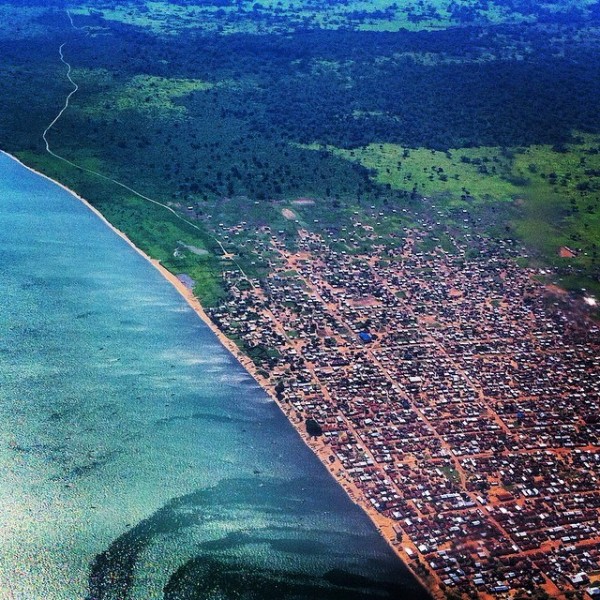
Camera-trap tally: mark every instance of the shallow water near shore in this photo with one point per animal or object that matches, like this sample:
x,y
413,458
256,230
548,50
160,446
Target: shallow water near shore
x,y
138,459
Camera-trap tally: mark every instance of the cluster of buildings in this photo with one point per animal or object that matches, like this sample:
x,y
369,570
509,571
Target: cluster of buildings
x,y
459,404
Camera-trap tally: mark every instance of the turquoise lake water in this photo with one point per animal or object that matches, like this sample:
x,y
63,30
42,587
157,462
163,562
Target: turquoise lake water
x,y
138,460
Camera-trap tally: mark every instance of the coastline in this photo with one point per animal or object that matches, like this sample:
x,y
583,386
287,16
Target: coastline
x,y
384,525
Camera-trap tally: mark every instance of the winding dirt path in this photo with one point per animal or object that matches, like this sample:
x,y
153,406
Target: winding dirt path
x,y
105,177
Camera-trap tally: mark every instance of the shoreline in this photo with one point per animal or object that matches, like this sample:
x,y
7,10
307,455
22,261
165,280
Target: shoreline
x,y
383,524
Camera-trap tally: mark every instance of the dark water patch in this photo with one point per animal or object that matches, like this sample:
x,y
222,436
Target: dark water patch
x,y
84,469
205,578
64,465
290,544
340,577
34,283
231,566
299,546
202,416
29,333
46,450
229,542
130,322
91,465
57,415
19,448
112,572
84,315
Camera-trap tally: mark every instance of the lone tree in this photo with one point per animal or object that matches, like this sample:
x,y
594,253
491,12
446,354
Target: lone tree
x,y
279,389
313,428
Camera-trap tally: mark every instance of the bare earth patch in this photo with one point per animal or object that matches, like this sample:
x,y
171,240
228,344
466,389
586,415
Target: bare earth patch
x,y
289,214
566,252
194,249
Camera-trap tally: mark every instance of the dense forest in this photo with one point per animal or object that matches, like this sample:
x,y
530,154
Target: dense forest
x,y
231,110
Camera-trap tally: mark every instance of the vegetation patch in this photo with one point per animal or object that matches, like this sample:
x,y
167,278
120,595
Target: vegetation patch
x,y
269,16
141,93
562,202
478,173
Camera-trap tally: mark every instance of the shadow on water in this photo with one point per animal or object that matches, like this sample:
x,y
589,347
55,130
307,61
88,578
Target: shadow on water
x,y
201,416
112,572
311,563
206,577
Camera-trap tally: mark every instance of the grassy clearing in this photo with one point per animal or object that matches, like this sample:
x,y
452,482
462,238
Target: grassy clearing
x,y
143,93
482,173
158,17
562,198
452,474
146,92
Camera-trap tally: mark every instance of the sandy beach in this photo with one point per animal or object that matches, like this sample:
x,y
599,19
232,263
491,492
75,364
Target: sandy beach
x,y
320,448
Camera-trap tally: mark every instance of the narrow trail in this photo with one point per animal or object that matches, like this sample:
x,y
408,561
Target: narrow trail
x,y
101,175
86,28
62,110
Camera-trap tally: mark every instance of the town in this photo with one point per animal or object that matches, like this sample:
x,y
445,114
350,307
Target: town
x,y
449,392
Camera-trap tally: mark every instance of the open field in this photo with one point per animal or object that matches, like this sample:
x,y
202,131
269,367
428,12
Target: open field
x,y
144,93
481,173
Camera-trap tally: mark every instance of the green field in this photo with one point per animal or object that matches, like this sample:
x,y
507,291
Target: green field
x,y
482,173
144,93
